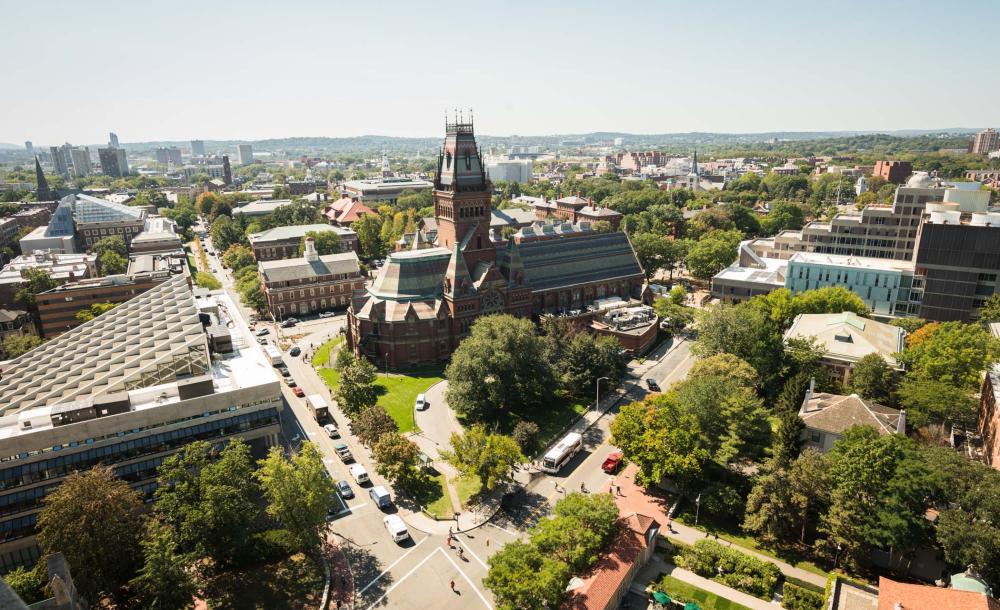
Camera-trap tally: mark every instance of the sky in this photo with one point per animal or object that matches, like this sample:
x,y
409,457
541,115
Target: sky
x,y
180,70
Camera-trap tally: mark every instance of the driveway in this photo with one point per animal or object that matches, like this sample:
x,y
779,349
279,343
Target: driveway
x,y
437,423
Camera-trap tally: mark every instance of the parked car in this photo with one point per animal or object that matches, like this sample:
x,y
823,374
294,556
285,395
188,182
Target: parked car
x,y
359,474
421,403
284,372
343,452
344,488
380,496
326,314
397,529
652,385
288,323
295,351
290,382
262,340
612,463
262,331
331,431
298,392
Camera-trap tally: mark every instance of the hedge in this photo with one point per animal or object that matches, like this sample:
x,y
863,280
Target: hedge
x,y
794,597
709,559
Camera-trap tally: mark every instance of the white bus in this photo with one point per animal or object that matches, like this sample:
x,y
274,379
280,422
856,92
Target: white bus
x,y
563,452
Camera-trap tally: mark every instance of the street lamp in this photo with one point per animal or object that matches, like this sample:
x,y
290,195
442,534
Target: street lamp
x,y
597,400
697,509
387,365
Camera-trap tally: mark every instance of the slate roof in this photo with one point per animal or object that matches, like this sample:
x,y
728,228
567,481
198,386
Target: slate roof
x,y
926,597
561,262
299,268
836,414
848,336
411,275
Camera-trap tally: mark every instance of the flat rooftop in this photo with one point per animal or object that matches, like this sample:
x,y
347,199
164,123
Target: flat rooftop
x,y
854,262
773,273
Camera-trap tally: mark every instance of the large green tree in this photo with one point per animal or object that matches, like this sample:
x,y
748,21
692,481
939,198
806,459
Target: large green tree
x,y
523,578
396,458
36,281
238,257
955,353
326,242
370,424
712,253
872,378
164,582
930,401
489,456
746,332
655,252
370,242
18,345
111,243
94,519
356,390
299,493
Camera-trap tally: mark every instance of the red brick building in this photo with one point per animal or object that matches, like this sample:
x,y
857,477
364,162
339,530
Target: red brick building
x,y
895,172
575,209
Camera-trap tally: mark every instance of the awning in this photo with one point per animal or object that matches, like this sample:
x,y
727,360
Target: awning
x,y
691,606
661,598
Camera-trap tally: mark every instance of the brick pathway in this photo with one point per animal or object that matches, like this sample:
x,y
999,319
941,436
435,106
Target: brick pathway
x,y
341,580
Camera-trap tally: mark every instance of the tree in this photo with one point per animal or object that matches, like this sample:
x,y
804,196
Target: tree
x,y
164,582
653,251
921,334
29,585
93,518
209,502
326,242
678,295
525,434
931,401
370,243
730,415
501,364
36,281
872,378
238,257
597,513
567,541
990,311
356,391
95,310
787,441
784,215
112,263
206,280
724,365
746,332
225,232
491,457
712,253
111,243
371,423
299,493
18,345
786,501
910,325
395,457
205,203
954,353
588,358
829,299
251,292
522,578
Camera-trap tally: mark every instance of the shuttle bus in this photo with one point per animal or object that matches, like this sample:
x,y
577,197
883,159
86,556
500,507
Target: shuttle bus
x,y
563,452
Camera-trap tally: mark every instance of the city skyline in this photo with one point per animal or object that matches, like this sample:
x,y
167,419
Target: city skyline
x,y
254,72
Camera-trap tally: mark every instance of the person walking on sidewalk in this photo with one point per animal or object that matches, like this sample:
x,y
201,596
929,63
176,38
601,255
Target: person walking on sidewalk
x,y
453,587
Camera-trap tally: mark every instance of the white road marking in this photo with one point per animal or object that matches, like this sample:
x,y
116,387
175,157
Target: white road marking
x,y
311,433
391,566
467,579
503,529
400,581
476,557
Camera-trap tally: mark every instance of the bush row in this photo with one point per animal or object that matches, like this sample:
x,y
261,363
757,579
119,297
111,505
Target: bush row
x,y
709,559
794,597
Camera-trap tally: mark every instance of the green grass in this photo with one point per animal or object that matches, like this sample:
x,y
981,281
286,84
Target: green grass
x,y
294,583
398,392
551,420
681,591
467,487
322,355
435,499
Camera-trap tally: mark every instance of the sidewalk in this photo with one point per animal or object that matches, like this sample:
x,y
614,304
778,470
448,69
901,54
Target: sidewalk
x,y
657,566
634,499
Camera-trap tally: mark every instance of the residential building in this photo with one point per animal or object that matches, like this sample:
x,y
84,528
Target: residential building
x,y
244,154
168,155
128,389
310,284
81,162
989,177
284,242
509,170
382,190
15,323
61,267
113,162
606,585
346,211
59,162
985,142
113,140
197,148
425,299
304,187
635,161
893,595
260,207
828,416
895,172
846,338
28,218
576,209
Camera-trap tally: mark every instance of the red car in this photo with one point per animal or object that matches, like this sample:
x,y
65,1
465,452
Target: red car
x,y
298,392
612,463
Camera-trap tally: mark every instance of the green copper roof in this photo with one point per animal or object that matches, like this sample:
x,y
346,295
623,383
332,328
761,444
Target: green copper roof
x,y
412,275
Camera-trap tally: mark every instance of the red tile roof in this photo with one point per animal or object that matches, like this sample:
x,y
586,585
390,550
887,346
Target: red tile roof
x,y
346,211
925,597
612,569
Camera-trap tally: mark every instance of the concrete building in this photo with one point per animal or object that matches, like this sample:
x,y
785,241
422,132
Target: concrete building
x,y
197,148
168,155
885,285
509,170
985,142
828,416
113,162
61,267
128,389
244,154
159,234
15,323
59,162
382,190
284,242
313,283
81,162
94,219
895,172
260,207
846,338
113,140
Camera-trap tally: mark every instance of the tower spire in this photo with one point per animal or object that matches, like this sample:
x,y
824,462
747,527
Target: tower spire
x,y
42,192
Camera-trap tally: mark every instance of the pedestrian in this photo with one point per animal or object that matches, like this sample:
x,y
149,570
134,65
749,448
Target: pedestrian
x,y
449,531
618,489
461,553
487,543
343,582
611,490
583,488
453,587
450,545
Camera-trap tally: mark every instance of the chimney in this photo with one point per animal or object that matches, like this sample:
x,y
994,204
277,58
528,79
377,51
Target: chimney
x,y
809,394
901,424
310,254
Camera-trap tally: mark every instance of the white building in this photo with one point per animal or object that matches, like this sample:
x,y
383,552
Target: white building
x,y
244,154
509,170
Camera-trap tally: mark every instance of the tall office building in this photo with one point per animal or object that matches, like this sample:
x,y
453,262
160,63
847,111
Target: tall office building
x,y
81,161
244,154
59,161
113,140
169,155
985,142
197,148
29,147
113,162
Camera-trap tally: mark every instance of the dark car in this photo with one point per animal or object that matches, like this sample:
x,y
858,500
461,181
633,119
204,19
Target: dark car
x,y
345,489
284,372
295,351
288,324
652,385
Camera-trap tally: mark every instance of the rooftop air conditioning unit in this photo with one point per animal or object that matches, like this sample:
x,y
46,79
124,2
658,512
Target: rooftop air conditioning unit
x,y
26,424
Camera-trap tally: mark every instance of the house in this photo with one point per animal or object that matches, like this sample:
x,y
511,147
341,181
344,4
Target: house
x,y
14,323
894,595
828,416
608,581
346,210
846,338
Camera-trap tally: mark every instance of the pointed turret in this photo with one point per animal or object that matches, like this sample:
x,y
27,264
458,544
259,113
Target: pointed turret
x,y
457,281
42,192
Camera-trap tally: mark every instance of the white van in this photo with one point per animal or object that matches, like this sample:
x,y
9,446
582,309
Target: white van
x,y
396,527
359,473
421,402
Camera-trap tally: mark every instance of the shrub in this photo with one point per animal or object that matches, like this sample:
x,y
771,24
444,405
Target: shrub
x,y
526,435
29,584
795,597
709,559
272,545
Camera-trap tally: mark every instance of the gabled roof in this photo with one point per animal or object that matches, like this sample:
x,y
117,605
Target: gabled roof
x,y
893,595
346,211
299,268
294,232
836,414
561,262
848,336
608,575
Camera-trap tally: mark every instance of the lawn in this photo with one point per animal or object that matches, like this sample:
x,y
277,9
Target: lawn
x,y
398,393
294,583
681,591
467,487
322,355
435,498
551,419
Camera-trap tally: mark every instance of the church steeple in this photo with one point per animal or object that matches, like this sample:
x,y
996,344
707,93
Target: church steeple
x,y
42,192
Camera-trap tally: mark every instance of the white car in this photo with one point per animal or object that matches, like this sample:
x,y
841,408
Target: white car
x,y
331,431
396,527
359,473
421,403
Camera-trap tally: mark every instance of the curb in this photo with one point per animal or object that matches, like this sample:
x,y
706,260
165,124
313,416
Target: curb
x,y
325,600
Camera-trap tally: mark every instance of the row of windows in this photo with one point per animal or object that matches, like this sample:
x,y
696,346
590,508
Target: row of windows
x,y
336,289
120,452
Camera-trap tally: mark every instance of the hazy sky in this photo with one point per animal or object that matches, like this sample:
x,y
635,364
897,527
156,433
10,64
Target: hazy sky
x,y
176,70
